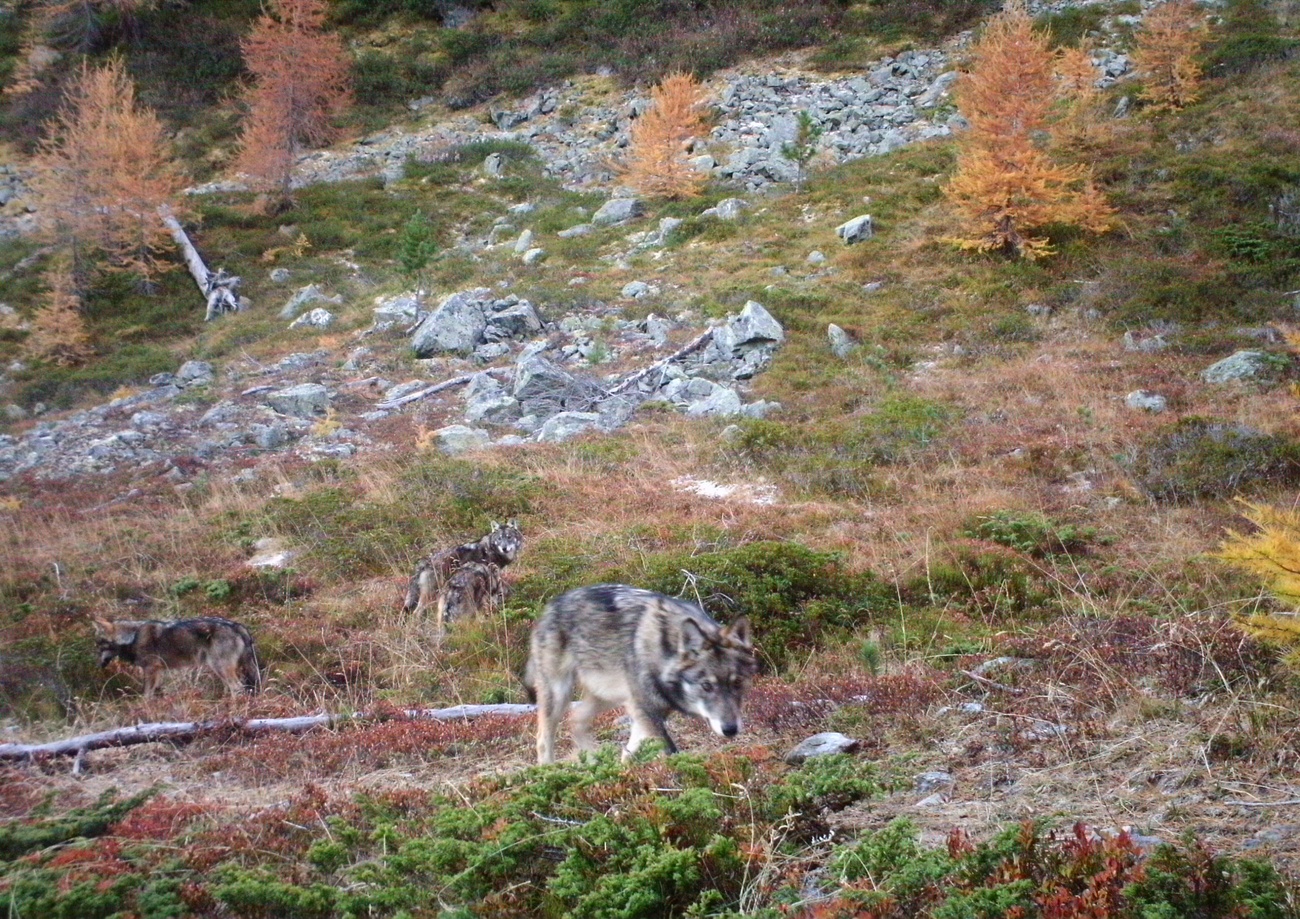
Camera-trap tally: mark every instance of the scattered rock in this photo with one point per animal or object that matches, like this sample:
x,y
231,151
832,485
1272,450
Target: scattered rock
x,y
194,373
859,229
456,325
825,744
842,345
315,319
1244,365
618,210
1145,401
565,425
306,400
458,438
930,782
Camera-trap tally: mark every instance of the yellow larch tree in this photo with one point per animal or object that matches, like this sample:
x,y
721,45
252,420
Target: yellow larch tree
x,y
1171,38
1272,553
301,84
1076,87
59,332
1006,186
103,173
657,163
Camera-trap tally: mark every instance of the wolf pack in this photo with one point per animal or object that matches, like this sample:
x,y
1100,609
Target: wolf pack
x,y
616,644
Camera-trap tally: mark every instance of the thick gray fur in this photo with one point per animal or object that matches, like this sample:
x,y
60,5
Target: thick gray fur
x,y
222,646
499,547
648,652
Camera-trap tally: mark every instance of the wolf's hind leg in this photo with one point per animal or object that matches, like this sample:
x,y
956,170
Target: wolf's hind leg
x,y
553,694
586,712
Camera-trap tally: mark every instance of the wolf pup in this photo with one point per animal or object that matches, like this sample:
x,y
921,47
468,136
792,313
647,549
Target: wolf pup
x,y
650,653
499,547
474,588
220,645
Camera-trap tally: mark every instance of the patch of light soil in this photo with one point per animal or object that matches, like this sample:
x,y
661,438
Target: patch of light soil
x,y
751,492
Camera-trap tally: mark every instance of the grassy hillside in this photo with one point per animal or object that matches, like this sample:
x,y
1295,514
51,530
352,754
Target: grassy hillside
x,y
968,486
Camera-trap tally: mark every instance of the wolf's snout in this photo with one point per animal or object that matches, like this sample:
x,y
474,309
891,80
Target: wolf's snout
x,y
730,730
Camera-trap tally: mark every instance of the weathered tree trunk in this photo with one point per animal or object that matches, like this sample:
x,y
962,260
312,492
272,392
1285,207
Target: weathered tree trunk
x,y
189,730
691,347
220,289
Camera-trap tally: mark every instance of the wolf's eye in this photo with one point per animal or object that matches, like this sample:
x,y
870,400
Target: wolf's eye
x,y
707,686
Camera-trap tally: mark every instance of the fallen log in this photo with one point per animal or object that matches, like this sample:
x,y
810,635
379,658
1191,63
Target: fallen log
x,y
221,290
691,347
158,732
427,391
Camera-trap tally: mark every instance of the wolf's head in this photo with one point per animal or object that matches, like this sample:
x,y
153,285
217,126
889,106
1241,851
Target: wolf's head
x,y
505,542
115,639
715,669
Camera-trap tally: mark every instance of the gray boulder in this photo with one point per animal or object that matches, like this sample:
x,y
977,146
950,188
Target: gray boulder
x,y
581,229
842,345
1145,401
403,309
856,230
534,255
306,400
566,425
309,294
459,438
722,402
194,373
314,319
517,319
726,209
827,743
636,290
456,325
1244,365
618,210
754,325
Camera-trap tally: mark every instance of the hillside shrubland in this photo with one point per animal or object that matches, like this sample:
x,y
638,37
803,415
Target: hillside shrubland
x,y
968,553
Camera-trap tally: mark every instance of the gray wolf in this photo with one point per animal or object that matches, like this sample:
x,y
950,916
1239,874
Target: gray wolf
x,y
222,646
474,588
650,653
499,547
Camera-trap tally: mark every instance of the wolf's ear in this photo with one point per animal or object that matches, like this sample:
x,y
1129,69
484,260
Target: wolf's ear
x,y
513,522
495,526
739,632
102,626
693,638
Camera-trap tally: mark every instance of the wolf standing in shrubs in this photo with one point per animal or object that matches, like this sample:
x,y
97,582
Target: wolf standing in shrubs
x,y
650,653
499,547
221,645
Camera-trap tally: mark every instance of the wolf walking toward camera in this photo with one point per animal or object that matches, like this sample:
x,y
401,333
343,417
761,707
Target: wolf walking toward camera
x,y
221,645
636,648
499,547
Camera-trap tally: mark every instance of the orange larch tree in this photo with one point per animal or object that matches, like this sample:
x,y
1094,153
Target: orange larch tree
x,y
1006,185
103,173
301,84
1076,87
657,163
1171,37
58,329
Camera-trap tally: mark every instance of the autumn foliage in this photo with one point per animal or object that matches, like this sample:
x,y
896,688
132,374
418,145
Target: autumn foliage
x,y
1168,43
1271,553
657,162
1006,185
104,171
1076,85
301,85
58,330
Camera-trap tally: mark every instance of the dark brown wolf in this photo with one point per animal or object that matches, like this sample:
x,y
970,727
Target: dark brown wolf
x,y
473,589
499,547
650,653
222,646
